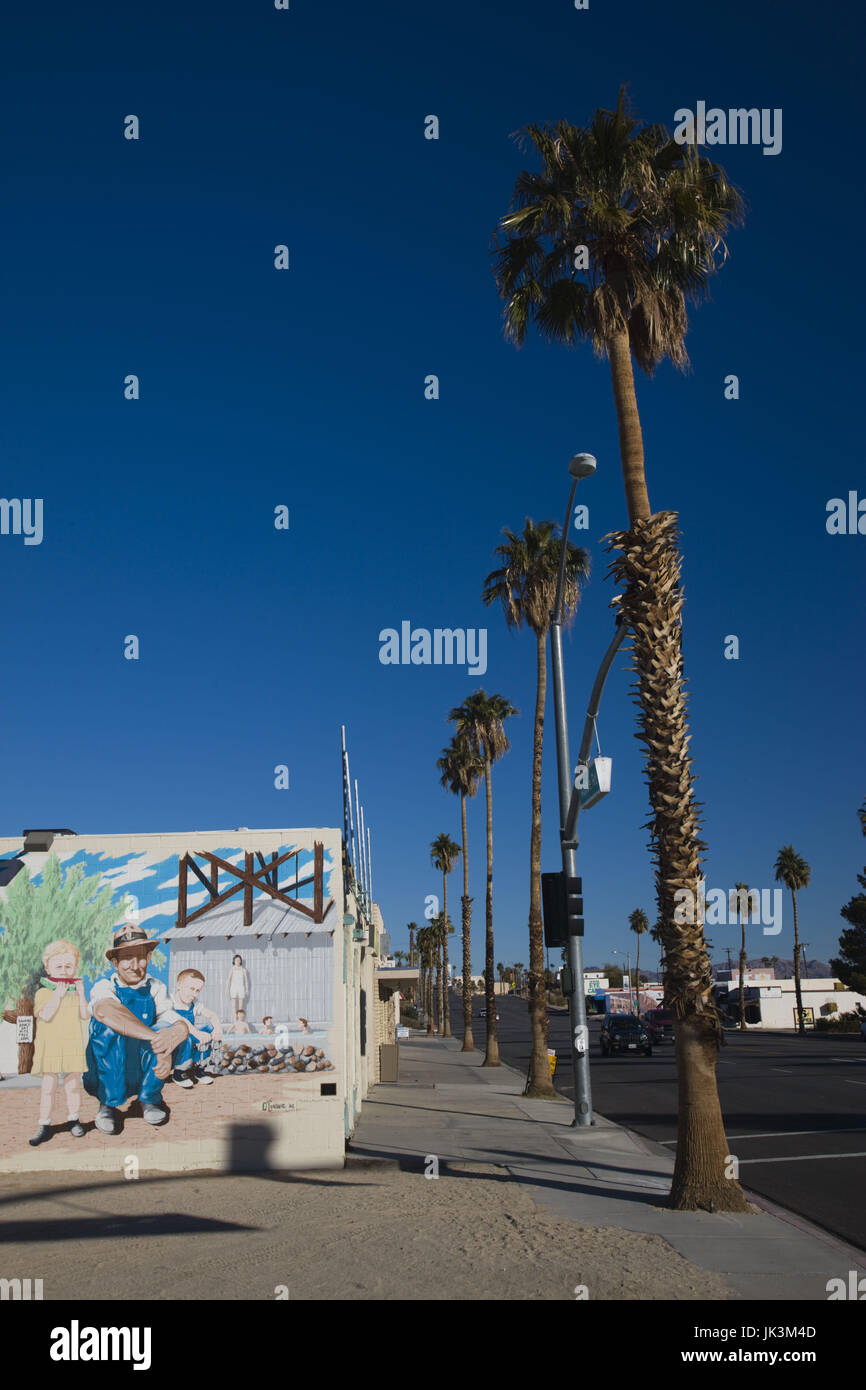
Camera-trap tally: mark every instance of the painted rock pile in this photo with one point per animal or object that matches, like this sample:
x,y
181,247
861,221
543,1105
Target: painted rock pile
x,y
233,1060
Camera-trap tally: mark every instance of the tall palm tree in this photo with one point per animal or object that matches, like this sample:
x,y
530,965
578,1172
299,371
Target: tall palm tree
x,y
442,929
743,914
462,768
639,923
443,855
481,721
794,872
525,586
436,936
412,928
425,951
648,217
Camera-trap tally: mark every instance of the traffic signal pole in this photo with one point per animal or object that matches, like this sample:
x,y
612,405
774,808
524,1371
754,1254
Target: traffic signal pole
x,y
569,809
577,997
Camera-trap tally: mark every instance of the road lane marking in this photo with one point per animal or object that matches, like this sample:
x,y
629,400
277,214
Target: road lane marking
x,y
849,1082
799,1158
785,1133
786,1070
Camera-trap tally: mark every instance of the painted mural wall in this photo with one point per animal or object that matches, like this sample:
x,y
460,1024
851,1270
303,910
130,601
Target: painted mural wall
x,y
173,1002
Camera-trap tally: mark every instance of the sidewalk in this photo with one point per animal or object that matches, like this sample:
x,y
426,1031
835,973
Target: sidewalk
x,y
448,1106
524,1208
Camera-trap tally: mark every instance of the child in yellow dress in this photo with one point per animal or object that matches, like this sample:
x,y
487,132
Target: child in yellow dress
x,y
58,1055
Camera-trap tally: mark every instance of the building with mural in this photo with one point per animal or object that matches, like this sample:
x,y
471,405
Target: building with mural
x,y
196,1000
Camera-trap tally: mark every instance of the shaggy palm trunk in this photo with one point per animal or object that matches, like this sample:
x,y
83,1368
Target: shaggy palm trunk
x,y
801,1022
648,568
637,977
491,1058
466,914
446,997
540,1083
411,949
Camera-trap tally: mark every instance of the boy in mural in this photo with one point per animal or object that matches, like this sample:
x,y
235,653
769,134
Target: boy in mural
x,y
203,1023
240,1024
59,1007
134,1032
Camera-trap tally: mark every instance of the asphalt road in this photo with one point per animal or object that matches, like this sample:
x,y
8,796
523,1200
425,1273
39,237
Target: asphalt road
x,y
794,1108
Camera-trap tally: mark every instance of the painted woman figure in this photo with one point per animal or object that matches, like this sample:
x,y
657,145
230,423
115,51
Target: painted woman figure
x,y
58,1055
237,985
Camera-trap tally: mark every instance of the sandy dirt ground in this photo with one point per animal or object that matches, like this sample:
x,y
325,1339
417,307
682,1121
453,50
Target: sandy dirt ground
x,y
366,1232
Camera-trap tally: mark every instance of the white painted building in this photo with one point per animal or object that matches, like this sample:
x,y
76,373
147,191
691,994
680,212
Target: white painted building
x,y
279,900
772,1003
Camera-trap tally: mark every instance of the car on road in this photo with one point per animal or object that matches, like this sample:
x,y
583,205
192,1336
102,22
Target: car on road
x,y
483,1014
659,1023
624,1033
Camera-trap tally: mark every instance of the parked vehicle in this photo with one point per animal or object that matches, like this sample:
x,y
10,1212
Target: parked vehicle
x,y
624,1033
659,1023
483,1014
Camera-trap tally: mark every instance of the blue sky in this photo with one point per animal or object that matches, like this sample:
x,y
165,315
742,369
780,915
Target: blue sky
x,y
305,388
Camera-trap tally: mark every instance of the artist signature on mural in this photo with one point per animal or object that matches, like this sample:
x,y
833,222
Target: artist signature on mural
x,y
278,1105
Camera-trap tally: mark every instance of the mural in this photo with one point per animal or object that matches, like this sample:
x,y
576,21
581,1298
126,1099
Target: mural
x,y
149,996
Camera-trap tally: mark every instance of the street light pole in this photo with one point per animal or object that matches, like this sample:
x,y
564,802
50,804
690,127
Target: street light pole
x,y
581,466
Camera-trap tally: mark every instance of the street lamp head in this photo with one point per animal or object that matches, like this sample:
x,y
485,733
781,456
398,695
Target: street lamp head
x,y
582,466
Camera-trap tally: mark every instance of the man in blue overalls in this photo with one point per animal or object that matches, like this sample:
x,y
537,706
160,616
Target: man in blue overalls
x,y
134,1032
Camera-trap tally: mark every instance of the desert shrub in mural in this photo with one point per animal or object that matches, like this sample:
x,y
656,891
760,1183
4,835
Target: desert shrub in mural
x,y
71,907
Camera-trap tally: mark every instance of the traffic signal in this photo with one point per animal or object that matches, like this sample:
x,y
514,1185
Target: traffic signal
x,y
562,905
574,905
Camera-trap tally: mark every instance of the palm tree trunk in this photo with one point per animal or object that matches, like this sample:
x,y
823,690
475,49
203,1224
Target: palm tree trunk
x,y
743,975
446,994
491,1058
801,1022
438,986
431,981
466,912
649,570
637,977
630,433
540,1083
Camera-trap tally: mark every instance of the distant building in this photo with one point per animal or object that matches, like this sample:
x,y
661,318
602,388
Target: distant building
x,y
772,1003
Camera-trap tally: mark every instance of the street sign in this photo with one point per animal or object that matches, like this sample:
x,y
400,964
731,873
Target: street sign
x,y
592,781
